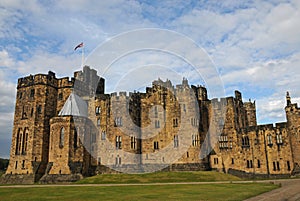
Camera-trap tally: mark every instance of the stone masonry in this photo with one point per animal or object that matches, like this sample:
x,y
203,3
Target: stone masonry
x,y
65,129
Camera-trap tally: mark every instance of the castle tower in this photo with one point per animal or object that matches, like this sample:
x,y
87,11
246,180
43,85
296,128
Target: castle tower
x,y
35,105
293,123
72,143
250,113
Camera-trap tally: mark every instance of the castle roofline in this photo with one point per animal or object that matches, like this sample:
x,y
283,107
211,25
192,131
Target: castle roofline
x,y
74,106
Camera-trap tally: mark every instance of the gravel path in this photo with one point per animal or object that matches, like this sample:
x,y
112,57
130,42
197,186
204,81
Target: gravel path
x,y
289,191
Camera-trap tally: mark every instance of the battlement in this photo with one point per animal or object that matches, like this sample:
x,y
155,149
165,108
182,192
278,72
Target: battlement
x,y
66,82
122,95
44,79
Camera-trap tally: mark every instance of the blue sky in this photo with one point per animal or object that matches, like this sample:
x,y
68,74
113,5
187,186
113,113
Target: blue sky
x,y
255,45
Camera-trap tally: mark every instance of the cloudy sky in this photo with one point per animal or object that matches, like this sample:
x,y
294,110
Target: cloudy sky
x,y
254,45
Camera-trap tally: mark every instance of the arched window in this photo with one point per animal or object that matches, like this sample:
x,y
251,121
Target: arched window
x,y
61,137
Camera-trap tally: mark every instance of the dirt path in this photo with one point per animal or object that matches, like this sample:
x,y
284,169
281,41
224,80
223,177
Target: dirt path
x,y
289,191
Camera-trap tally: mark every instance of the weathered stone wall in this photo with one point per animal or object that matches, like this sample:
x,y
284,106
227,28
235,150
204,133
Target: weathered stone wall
x,y
143,131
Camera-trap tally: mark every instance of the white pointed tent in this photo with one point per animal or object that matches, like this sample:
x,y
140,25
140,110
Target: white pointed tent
x,y
74,106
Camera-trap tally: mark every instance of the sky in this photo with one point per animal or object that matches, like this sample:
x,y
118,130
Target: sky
x,y
254,45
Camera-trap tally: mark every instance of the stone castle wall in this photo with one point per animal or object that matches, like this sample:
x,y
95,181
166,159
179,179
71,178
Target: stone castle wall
x,y
142,131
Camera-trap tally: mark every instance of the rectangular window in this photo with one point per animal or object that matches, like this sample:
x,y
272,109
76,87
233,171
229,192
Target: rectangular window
x,y
288,165
176,144
133,142
269,140
155,144
258,163
118,142
32,93
278,166
60,96
232,161
97,110
175,122
155,112
157,124
103,135
279,138
23,164
274,166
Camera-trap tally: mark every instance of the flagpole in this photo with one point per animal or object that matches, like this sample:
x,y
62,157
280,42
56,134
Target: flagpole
x,y
82,56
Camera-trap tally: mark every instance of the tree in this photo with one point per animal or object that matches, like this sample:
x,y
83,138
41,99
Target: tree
x,y
3,163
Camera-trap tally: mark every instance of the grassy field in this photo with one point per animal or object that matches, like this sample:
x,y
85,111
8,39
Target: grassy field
x,y
159,177
148,192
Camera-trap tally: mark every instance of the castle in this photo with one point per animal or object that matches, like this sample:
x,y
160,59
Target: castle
x,y
65,129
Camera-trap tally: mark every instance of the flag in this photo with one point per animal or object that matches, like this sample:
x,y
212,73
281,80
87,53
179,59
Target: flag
x,y
78,46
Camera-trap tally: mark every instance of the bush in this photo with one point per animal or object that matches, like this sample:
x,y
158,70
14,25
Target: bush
x,y
3,163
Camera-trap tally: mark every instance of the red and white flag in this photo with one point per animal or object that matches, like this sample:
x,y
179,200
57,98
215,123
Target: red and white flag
x,y
78,46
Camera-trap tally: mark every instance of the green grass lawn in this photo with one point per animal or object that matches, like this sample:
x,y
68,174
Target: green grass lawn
x,y
159,177
148,192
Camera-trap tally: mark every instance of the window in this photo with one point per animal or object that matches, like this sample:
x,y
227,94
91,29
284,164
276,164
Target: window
x,y
195,140
187,154
279,138
61,137
232,161
156,145
24,142
103,135
98,121
184,108
118,142
249,164
118,160
245,142
97,110
39,109
20,95
60,96
32,93
23,164
216,161
176,144
118,121
16,165
288,165
278,166
32,111
274,166
269,139
223,141
258,163
157,124
24,114
18,143
75,138
155,112
175,122
133,142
